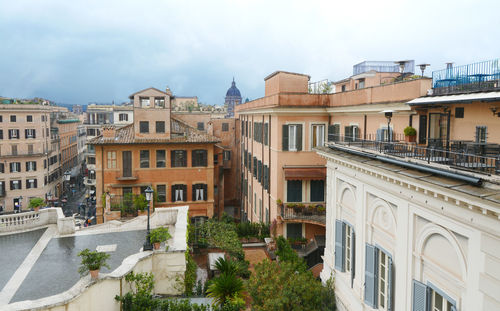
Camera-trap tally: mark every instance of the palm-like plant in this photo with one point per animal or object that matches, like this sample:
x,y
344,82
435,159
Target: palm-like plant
x,y
226,266
225,288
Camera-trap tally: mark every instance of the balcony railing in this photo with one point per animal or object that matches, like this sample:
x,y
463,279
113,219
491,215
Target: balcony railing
x,y
314,212
453,156
482,76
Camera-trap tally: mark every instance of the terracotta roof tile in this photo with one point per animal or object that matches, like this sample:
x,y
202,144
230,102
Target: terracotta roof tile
x,y
181,132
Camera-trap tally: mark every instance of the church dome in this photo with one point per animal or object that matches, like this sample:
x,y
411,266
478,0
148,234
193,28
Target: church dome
x,y
233,90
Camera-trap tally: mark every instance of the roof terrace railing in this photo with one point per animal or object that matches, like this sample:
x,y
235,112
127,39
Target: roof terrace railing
x,y
480,76
455,159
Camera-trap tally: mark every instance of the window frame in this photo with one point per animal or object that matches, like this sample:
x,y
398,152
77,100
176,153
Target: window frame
x,y
145,102
161,194
160,161
314,137
111,159
225,127
144,162
161,128
144,127
178,158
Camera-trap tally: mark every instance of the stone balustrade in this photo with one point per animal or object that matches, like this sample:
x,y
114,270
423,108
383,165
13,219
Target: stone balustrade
x,y
41,218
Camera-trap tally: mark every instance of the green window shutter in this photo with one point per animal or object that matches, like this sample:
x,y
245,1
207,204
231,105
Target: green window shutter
x,y
371,275
266,133
284,138
353,256
339,245
294,191
299,137
420,296
347,133
193,193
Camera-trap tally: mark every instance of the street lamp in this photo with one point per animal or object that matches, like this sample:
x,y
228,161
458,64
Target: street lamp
x,y
422,68
388,115
149,197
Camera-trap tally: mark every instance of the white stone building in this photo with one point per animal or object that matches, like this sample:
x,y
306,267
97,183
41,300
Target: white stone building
x,y
398,238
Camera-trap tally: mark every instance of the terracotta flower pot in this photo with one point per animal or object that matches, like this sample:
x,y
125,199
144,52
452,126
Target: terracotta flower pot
x,y
94,274
411,139
156,245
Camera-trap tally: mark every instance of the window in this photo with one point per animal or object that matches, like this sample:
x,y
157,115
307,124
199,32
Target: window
x,y
216,159
144,102
430,298
90,132
31,183
144,157
343,88
30,148
160,126
318,136
1,134
259,171
294,191
227,155
225,127
179,193
29,118
12,118
266,134
199,192
334,132
161,190
344,248
13,134
13,149
123,117
294,230
200,126
15,167
481,134
159,102
351,133
161,158
459,112
292,137
127,163
266,177
30,133
2,168
378,278
144,126
317,192
255,167
91,160
15,185
111,159
30,166
179,158
199,158
1,118
361,83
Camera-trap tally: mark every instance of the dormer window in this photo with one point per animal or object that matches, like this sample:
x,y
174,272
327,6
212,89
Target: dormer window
x,y
159,102
144,102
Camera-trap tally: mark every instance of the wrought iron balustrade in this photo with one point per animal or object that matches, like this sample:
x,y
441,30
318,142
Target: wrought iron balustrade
x,y
314,211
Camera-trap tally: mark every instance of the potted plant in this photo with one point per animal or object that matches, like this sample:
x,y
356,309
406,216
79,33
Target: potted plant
x,y
92,261
410,134
320,209
35,203
158,235
140,204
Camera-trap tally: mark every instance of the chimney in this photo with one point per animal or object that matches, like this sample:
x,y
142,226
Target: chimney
x,y
108,131
449,65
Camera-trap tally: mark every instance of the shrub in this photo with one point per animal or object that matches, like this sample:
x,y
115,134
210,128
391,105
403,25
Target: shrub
x,y
189,274
410,131
92,260
225,289
159,235
35,202
140,203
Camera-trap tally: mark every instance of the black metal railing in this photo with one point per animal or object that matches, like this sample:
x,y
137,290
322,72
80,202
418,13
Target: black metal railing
x,y
456,155
315,212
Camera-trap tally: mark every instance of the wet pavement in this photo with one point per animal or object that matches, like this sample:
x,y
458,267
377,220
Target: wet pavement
x,y
56,270
14,248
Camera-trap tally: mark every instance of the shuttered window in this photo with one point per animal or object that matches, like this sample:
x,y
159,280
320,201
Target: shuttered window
x,y
430,298
199,192
292,137
199,158
255,167
259,171
317,190
127,163
294,191
378,278
179,193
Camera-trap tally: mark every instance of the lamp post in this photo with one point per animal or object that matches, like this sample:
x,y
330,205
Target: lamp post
x,y
149,197
388,115
422,68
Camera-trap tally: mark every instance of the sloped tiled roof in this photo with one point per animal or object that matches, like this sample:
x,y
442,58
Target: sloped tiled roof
x,y
180,132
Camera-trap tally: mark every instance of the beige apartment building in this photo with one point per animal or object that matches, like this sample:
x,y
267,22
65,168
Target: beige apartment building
x,y
29,165
283,178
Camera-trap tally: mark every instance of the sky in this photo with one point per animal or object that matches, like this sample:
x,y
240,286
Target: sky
x,y
76,52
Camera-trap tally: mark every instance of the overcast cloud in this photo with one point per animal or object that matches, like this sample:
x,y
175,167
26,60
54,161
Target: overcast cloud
x,y
99,51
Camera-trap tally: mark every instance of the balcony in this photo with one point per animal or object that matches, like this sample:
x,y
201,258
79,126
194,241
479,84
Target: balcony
x,y
469,156
313,212
482,76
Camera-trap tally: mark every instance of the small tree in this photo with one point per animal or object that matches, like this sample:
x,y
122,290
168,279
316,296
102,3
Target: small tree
x,y
92,260
140,202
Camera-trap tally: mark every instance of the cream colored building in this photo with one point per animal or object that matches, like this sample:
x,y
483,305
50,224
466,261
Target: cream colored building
x,y
29,160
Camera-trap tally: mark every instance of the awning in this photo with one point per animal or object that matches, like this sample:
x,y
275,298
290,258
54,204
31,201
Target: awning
x,y
449,99
305,173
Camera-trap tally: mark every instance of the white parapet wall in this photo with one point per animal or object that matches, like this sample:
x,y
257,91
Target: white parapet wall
x,y
168,268
32,220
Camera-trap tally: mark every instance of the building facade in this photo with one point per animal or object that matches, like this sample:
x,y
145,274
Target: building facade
x,y
157,150
414,226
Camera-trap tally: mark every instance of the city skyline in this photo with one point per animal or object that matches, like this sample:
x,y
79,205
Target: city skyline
x,y
101,52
